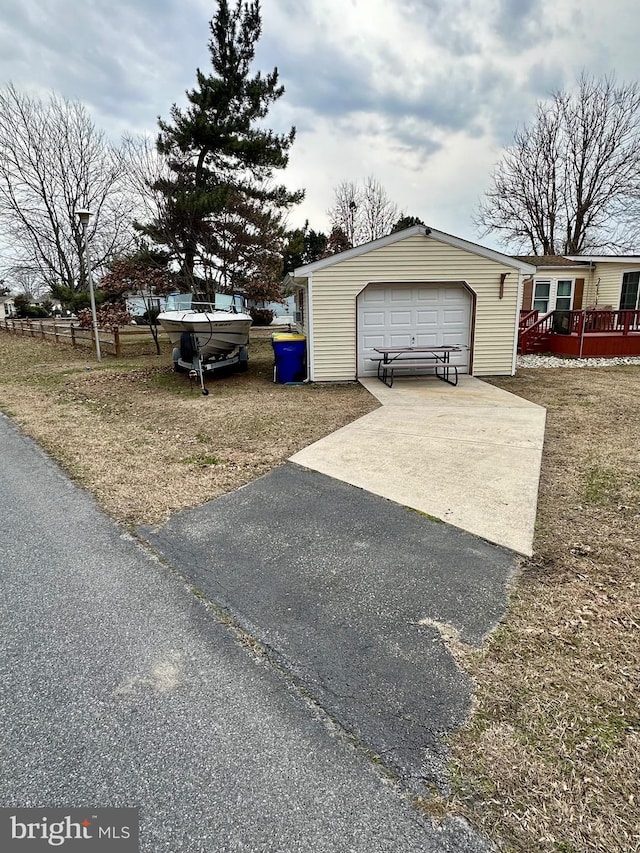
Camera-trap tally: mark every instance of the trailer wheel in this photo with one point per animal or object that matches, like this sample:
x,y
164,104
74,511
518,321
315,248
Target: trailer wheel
x,y
205,392
175,356
188,349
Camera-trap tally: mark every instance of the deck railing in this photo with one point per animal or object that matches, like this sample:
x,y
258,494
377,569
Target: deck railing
x,y
581,323
527,318
533,332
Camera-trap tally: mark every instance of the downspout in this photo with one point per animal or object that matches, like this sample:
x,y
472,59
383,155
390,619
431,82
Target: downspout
x,y
517,324
310,361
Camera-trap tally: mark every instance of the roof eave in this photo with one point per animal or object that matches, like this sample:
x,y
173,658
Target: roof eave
x,y
414,231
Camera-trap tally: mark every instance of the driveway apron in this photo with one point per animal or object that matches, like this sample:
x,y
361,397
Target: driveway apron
x,y
469,455
352,596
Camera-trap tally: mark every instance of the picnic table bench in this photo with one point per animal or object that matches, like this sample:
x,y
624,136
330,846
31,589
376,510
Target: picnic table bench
x,y
391,360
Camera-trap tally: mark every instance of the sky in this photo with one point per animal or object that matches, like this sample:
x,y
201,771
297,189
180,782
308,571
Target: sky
x,y
421,94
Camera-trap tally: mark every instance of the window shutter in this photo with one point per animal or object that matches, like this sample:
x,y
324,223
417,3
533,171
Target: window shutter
x,y
578,293
527,295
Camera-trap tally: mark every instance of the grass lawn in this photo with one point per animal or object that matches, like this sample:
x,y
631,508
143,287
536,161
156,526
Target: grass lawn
x,y
549,759
144,440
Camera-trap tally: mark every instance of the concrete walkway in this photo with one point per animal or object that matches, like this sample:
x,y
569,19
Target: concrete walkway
x,y
468,455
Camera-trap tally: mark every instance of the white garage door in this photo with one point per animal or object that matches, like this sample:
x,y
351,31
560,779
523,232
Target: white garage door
x,y
413,315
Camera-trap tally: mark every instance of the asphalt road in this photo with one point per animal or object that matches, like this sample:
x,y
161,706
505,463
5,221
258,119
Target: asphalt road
x,y
120,688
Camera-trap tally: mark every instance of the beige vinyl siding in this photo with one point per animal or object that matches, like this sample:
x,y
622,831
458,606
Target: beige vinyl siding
x,y
561,273
610,284
417,258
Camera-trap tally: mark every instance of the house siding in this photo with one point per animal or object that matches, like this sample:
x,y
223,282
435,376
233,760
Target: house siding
x,y
335,289
610,284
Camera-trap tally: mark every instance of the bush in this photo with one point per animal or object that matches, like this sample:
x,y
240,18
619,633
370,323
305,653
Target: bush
x,y
261,316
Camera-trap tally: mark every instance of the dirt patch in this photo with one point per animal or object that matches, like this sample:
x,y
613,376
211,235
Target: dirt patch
x,y
145,441
549,760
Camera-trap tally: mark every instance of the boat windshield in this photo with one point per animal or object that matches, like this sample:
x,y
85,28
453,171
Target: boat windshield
x,y
179,301
199,302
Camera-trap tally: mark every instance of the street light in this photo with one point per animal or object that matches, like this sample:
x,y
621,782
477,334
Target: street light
x,y
83,216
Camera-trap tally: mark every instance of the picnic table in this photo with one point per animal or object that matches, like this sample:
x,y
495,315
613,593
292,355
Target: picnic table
x,y
413,359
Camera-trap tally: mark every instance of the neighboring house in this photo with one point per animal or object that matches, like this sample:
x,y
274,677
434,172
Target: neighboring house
x,y
416,287
586,281
136,304
7,307
582,306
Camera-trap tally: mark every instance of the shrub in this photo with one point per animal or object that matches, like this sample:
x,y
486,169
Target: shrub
x,y
261,316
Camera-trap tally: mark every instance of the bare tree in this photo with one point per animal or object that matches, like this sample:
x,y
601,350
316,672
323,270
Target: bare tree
x,y
362,213
146,168
570,182
53,161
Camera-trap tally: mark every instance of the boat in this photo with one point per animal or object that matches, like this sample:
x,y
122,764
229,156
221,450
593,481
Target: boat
x,y
206,335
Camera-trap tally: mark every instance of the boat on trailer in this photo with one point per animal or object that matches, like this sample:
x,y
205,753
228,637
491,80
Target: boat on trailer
x,y
206,336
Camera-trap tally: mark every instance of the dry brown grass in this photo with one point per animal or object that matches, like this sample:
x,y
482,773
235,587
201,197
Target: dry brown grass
x,y
550,759
144,441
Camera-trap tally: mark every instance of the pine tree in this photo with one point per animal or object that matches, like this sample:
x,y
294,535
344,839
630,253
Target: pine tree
x,y
222,161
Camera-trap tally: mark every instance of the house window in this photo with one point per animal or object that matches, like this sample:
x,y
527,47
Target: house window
x,y
553,294
541,296
630,289
564,294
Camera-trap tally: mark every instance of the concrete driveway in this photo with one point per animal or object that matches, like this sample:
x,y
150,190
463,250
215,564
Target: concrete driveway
x,y
468,455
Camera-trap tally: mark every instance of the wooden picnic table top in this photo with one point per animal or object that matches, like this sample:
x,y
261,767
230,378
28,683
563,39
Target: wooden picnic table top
x,y
399,350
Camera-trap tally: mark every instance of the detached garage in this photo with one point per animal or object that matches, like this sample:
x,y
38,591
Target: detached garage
x,y
418,287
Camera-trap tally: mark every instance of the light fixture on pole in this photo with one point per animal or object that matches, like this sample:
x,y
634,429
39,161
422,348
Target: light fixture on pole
x,y
83,216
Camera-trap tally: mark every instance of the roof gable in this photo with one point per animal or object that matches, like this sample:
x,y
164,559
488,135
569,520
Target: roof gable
x,y
415,231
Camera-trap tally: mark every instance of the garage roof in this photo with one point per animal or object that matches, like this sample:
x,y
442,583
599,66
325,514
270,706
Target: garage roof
x,y
413,231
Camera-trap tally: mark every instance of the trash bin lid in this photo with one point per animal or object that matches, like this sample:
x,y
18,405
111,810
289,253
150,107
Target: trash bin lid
x,y
287,336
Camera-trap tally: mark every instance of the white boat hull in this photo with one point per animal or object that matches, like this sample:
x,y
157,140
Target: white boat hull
x,y
217,333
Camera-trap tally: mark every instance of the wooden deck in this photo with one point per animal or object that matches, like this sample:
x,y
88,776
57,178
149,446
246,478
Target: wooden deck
x,y
581,334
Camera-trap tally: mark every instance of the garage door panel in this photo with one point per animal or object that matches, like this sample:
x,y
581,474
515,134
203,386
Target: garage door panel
x,y
399,340
426,294
371,341
372,295
427,318
423,315
373,318
400,318
401,294
426,340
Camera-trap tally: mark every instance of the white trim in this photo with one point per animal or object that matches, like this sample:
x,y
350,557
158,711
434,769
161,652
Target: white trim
x,y
311,367
552,300
606,259
415,231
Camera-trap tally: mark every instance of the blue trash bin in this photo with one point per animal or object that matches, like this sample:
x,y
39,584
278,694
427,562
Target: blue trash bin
x,y
290,353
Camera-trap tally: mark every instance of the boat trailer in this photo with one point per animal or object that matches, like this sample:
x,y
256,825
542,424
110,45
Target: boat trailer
x,y
187,358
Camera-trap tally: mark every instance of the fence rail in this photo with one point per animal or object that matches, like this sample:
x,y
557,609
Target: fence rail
x,y
66,332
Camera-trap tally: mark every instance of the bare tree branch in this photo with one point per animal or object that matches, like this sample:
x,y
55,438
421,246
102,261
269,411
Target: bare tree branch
x,y
363,213
53,161
570,182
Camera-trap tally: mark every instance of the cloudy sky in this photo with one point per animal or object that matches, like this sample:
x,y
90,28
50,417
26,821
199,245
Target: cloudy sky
x,y
422,94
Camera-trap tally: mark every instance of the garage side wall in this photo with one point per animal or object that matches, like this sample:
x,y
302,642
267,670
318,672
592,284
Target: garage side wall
x,y
417,258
